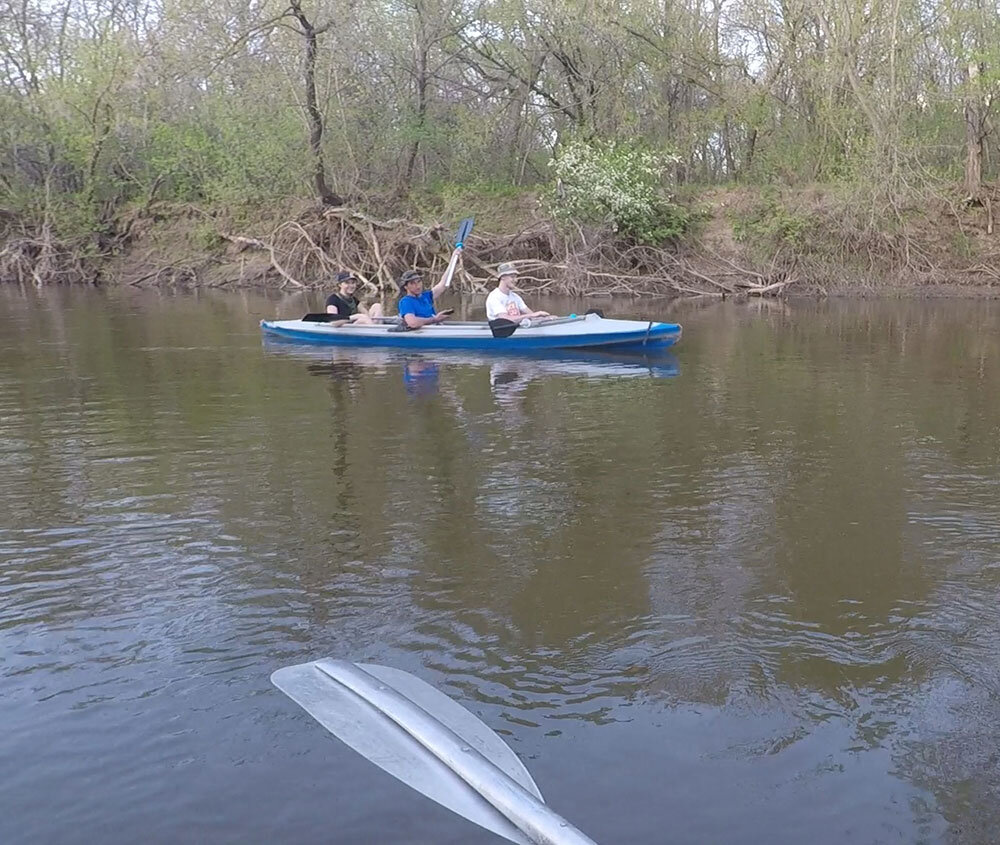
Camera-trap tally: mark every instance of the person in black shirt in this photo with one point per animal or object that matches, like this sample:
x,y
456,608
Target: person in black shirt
x,y
346,305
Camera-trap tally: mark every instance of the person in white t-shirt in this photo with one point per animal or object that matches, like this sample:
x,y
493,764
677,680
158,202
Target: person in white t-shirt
x,y
503,303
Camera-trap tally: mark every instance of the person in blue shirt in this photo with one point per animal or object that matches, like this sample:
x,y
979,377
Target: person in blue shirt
x,y
416,305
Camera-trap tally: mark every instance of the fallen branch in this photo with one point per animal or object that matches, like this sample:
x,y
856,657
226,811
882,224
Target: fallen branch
x,y
307,251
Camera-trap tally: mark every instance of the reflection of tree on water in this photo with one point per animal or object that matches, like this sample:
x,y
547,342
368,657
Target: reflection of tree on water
x,y
349,371
542,520
341,372
348,365
519,532
508,381
508,384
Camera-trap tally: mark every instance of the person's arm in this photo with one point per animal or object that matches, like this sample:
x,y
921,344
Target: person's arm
x,y
331,309
527,312
415,322
440,287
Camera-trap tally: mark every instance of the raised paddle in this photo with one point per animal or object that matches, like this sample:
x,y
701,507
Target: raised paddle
x,y
464,228
429,742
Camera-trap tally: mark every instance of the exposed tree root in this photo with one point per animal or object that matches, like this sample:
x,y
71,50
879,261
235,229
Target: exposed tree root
x,y
166,244
39,258
307,252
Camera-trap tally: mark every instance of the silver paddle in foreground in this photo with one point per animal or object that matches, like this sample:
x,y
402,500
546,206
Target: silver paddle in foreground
x,y
429,742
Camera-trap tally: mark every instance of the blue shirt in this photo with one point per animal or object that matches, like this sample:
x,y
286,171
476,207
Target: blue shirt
x,y
420,379
418,306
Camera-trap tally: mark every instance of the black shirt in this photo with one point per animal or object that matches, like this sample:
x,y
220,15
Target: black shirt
x,y
346,305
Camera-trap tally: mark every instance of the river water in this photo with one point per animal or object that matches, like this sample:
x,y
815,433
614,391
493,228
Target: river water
x,y
746,592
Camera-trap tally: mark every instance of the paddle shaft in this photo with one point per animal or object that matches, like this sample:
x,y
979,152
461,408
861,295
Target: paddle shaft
x,y
531,816
502,327
451,269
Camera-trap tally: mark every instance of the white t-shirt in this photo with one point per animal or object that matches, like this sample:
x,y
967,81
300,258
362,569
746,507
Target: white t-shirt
x,y
498,303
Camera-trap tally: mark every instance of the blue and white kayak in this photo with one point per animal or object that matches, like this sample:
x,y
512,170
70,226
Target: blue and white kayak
x,y
584,332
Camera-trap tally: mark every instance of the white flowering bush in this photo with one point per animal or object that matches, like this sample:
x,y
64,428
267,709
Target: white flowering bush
x,y
618,184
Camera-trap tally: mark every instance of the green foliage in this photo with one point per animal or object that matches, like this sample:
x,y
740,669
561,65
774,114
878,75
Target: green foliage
x,y
617,184
75,219
498,206
962,245
185,155
768,224
259,161
205,236
226,155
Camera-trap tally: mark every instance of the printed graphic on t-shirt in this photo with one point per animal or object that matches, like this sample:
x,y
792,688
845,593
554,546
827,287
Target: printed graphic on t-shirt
x,y
499,304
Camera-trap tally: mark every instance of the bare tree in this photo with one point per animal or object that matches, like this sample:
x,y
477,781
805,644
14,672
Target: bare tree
x,y
310,33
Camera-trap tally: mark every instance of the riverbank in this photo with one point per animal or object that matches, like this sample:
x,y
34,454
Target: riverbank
x,y
746,241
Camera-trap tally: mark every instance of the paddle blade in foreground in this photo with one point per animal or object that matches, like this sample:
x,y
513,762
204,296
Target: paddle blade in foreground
x,y
429,742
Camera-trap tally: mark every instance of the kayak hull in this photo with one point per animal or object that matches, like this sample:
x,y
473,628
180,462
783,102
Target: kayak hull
x,y
579,333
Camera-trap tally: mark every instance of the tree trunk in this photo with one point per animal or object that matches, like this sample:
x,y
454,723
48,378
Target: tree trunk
x,y
411,161
727,148
751,149
974,120
422,42
310,33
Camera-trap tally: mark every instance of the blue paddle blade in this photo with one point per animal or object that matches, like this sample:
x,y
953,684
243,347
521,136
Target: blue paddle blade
x,y
464,228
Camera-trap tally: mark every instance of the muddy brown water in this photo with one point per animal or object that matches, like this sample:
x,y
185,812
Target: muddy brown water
x,y
746,592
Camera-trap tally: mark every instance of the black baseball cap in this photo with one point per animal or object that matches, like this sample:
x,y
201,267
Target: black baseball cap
x,y
342,277
409,276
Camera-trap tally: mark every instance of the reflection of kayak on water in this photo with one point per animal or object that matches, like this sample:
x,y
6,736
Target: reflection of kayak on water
x,y
574,364
592,365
